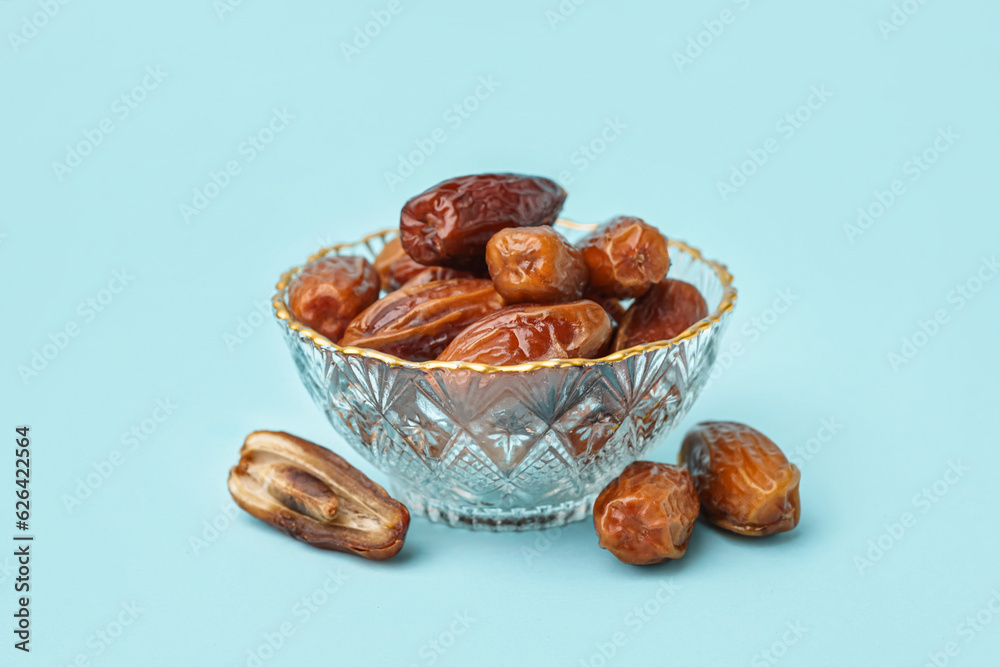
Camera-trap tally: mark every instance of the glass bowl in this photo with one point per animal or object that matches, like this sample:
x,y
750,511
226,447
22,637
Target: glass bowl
x,y
517,447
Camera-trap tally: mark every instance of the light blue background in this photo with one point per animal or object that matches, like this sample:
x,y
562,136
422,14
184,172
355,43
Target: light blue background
x,y
545,599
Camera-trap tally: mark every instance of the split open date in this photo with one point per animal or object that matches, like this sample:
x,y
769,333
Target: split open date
x,y
315,496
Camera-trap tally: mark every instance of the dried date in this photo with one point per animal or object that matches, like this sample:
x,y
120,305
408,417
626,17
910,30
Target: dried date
x,y
613,307
394,266
418,322
667,309
647,513
397,269
316,497
432,274
744,481
518,334
450,224
535,265
625,257
329,292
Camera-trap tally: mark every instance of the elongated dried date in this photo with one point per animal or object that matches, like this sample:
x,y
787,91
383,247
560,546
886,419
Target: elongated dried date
x,y
535,265
625,257
667,309
418,322
745,482
316,497
518,334
329,292
450,224
647,513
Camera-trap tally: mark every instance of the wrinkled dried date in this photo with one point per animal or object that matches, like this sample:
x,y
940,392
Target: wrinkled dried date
x,y
667,309
535,265
518,334
744,481
647,513
329,292
625,257
450,224
418,322
313,495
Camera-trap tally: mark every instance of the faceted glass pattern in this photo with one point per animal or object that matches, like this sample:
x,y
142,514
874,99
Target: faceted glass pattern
x,y
509,450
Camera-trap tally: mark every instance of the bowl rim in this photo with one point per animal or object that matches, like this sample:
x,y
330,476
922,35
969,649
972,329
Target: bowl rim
x,y
284,315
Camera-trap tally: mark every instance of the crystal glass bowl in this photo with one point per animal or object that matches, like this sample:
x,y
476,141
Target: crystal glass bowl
x,y
517,447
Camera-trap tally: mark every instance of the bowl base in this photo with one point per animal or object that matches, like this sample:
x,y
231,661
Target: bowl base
x,y
494,519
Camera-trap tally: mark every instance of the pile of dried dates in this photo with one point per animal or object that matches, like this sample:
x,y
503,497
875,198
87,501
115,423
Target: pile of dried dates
x,y
478,274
